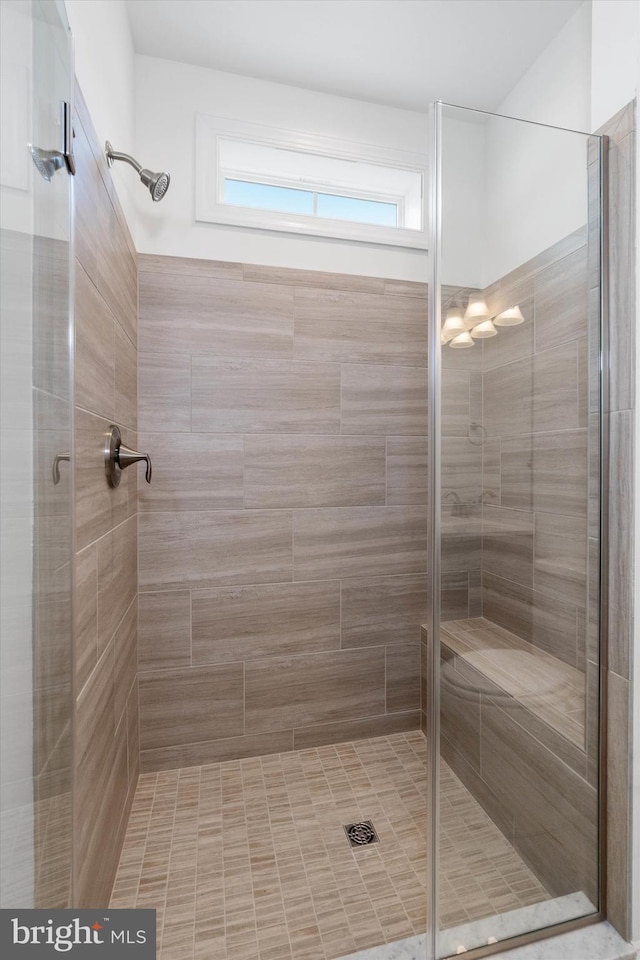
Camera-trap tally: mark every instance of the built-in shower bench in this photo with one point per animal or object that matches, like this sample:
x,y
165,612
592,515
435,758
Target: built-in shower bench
x,y
544,685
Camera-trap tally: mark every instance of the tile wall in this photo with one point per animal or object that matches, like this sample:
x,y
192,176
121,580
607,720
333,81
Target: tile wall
x,y
282,550
106,706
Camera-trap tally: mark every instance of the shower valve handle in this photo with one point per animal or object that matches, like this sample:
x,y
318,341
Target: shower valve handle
x,y
117,457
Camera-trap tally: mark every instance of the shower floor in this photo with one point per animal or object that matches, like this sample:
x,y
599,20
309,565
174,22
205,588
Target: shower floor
x,y
248,859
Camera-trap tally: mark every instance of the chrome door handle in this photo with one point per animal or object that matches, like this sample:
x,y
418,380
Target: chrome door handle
x,y
117,457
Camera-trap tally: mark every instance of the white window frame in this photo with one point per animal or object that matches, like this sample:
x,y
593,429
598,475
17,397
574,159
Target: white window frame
x,y
210,181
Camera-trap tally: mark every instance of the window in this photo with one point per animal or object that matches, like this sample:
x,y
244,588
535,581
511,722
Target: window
x,y
258,176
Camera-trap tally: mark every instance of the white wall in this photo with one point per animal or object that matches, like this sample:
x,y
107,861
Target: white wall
x,y
170,94
615,80
105,68
535,188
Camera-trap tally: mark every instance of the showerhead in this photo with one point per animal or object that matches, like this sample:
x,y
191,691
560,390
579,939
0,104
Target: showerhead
x,y
47,161
157,183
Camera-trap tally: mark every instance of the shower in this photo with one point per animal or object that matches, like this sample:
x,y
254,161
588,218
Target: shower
x,y
158,183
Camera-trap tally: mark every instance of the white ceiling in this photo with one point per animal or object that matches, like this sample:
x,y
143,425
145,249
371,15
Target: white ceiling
x,y
403,53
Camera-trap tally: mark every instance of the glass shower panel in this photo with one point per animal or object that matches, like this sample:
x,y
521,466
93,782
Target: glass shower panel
x,y
36,694
518,639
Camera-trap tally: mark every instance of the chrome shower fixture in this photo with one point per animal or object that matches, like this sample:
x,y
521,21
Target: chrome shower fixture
x,y
47,161
157,183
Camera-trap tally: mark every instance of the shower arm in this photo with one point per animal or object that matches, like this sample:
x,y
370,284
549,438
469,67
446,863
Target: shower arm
x,y
116,155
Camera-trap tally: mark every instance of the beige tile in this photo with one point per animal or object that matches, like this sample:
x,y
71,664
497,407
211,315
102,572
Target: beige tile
x,y
133,738
359,541
406,288
117,578
95,348
456,402
560,471
491,486
461,472
215,751
187,267
507,543
85,194
198,313
164,639
86,614
454,596
49,316
126,381
314,278
618,792
621,549
560,565
313,471
516,473
383,610
403,677
192,471
359,327
555,388
341,731
622,305
512,343
183,706
267,396
99,507
460,709
407,475
383,399
192,549
164,393
125,647
244,623
116,268
560,293
507,399
284,692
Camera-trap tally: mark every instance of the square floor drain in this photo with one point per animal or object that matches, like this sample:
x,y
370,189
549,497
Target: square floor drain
x,y
360,834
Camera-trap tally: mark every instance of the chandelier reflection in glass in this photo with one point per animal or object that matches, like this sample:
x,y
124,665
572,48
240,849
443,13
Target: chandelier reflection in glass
x,y
462,330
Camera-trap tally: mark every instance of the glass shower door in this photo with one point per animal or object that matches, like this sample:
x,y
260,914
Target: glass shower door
x,y
514,670
36,429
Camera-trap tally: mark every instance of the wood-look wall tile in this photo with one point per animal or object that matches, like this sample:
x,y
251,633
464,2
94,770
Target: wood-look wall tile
x,y
150,263
555,388
164,393
313,278
359,327
49,317
621,541
622,296
491,486
560,473
117,578
133,738
495,807
98,507
215,751
245,623
407,470
560,293
117,268
516,473
454,596
619,700
546,621
86,614
359,541
284,692
95,348
294,471
461,470
406,288
455,402
164,636
460,709
586,374
202,549
383,610
125,648
188,706
403,677
508,399
194,313
560,565
339,732
512,343
126,381
86,184
265,396
384,399
192,471
507,543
